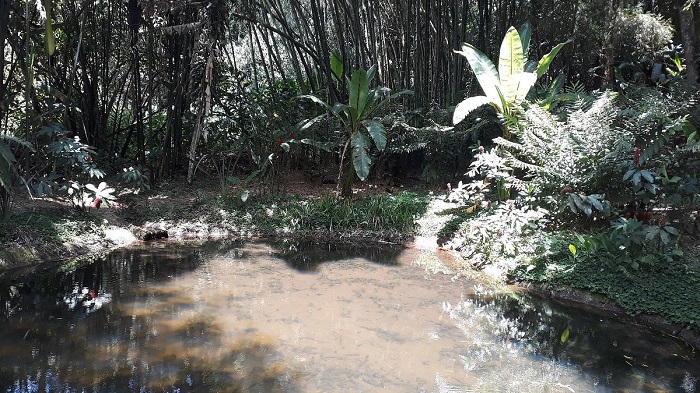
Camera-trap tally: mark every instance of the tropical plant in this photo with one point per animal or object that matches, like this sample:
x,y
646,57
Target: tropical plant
x,y
360,128
506,87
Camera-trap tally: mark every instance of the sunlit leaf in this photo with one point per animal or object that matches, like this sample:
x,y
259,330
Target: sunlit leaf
x,y
564,335
49,38
510,64
484,69
320,145
572,249
546,60
465,107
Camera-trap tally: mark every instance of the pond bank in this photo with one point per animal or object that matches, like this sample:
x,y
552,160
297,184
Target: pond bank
x,y
57,233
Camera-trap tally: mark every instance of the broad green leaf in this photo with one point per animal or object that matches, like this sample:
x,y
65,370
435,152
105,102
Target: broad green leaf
x,y
49,39
546,60
371,73
525,33
6,154
316,144
358,90
360,159
636,177
671,230
305,124
316,100
510,63
595,202
483,68
647,176
465,107
336,65
5,178
688,128
339,108
377,131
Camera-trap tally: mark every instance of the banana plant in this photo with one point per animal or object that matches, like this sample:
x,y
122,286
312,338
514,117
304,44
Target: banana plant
x,y
506,87
361,129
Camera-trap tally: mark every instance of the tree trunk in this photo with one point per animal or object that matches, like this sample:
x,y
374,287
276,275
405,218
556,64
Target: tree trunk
x,y
690,40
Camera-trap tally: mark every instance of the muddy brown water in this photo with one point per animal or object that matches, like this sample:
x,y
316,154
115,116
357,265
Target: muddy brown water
x,y
289,317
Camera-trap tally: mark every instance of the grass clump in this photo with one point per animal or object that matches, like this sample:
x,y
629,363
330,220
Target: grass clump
x,y
293,214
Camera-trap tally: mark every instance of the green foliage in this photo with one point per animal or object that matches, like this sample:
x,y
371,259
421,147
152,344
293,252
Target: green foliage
x,y
8,170
507,86
56,226
375,213
136,177
360,128
501,234
71,166
663,284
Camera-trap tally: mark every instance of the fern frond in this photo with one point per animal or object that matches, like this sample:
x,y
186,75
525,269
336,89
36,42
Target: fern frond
x,y
19,141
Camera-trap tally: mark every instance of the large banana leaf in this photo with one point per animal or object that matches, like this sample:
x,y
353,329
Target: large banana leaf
x,y
360,158
7,160
546,60
465,107
336,65
525,81
377,132
510,63
49,39
358,90
525,33
483,68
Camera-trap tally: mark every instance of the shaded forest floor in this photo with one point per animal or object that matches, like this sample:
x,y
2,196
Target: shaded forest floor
x,y
51,229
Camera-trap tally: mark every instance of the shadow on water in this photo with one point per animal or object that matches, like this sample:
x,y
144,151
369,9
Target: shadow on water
x,y
308,256
80,331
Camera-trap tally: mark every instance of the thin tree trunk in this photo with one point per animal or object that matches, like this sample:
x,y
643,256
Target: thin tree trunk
x,y
690,40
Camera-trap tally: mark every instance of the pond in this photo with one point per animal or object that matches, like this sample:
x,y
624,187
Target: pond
x,y
290,317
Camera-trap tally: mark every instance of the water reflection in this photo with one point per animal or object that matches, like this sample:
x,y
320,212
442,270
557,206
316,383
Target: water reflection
x,y
613,356
308,256
249,317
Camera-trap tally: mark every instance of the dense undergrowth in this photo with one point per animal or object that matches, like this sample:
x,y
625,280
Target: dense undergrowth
x,y
668,289
291,214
